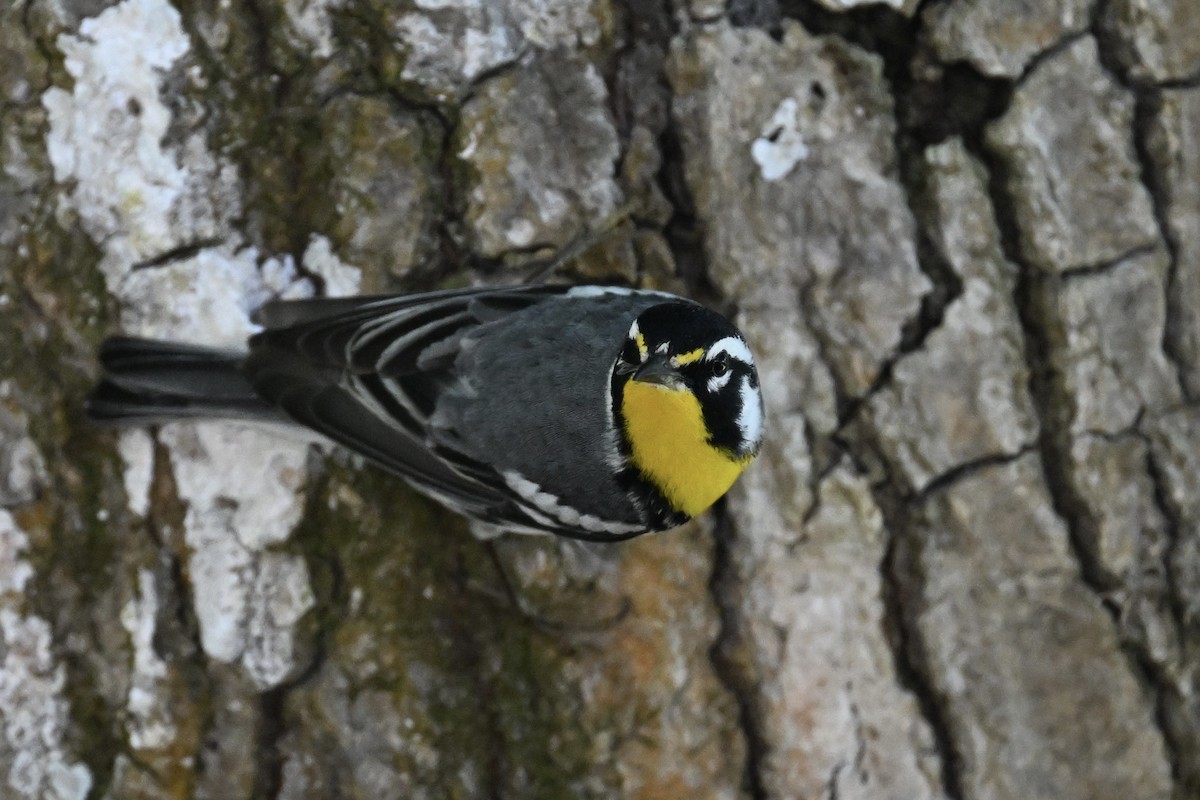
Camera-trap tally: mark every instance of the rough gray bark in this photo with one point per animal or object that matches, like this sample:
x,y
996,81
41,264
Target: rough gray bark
x,y
963,237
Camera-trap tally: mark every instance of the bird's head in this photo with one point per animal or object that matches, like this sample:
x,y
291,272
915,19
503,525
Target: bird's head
x,y
687,404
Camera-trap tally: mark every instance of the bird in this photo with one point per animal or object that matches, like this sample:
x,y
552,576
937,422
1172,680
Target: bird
x,y
592,412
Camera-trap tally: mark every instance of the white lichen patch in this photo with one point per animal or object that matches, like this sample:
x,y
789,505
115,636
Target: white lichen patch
x,y
136,448
15,571
450,43
106,136
243,488
251,475
22,467
242,484
207,298
141,193
281,595
149,723
780,146
520,232
309,23
34,711
340,279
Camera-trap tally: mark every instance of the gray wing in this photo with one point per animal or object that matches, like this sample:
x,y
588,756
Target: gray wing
x,y
541,379
378,375
347,368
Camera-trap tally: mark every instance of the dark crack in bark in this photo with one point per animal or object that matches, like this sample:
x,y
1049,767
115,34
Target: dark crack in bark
x,y
685,236
927,111
967,469
1035,296
181,253
268,777
468,644
684,233
1107,265
1147,107
1183,747
900,574
921,113
765,14
731,669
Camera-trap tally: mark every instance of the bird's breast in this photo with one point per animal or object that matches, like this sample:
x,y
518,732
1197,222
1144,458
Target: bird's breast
x,y
669,446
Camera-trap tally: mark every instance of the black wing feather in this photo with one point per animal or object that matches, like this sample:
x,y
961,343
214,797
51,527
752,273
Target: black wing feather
x,y
356,370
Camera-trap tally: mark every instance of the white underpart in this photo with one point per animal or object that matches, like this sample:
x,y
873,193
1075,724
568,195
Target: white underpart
x,y
732,345
565,515
717,383
750,415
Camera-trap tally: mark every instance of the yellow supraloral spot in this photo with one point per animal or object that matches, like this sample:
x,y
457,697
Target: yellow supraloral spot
x,y
669,445
643,351
689,357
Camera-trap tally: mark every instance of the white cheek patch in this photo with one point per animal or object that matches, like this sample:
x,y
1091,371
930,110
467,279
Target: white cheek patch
x,y
750,415
734,346
718,383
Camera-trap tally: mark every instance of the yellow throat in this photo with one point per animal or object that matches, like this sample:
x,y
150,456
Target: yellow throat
x,y
668,441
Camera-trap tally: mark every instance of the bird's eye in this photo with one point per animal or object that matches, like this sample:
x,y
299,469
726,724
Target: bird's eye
x,y
720,365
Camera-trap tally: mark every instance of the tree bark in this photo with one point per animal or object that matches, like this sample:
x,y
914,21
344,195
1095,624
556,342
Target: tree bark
x,y
962,237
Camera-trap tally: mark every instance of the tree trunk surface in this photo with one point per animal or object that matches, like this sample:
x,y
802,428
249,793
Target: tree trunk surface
x,y
962,237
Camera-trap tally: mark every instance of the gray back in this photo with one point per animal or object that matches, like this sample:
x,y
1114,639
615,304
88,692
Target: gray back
x,y
546,370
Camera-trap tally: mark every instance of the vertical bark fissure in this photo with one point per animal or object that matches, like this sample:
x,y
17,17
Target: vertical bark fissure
x,y
469,646
730,671
919,121
268,777
685,239
901,578
894,39
684,234
1185,762
1146,110
1035,296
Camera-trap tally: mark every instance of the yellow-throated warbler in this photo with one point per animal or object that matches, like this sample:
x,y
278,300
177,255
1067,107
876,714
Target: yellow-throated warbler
x,y
591,412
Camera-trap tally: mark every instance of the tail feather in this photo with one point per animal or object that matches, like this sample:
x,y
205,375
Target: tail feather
x,y
148,380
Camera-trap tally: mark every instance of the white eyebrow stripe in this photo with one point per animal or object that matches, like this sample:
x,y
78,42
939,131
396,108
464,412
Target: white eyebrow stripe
x,y
732,345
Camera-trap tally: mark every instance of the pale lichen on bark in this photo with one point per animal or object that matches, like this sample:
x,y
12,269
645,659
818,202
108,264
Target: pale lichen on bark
x,y
960,236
